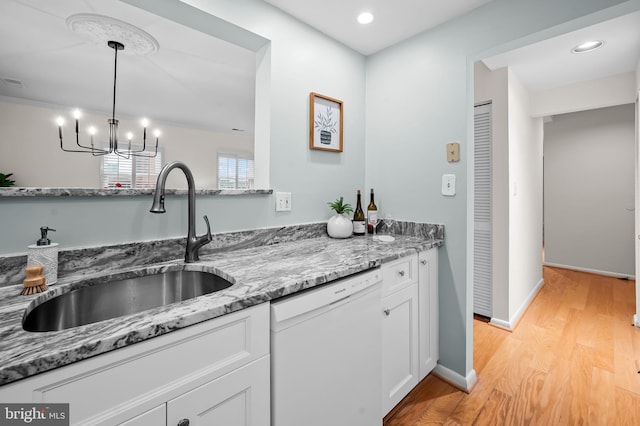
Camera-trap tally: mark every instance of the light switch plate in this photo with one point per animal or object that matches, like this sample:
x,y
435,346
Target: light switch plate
x,y
449,185
283,201
453,152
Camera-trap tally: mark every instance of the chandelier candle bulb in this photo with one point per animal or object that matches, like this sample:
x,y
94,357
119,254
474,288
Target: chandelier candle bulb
x,y
60,122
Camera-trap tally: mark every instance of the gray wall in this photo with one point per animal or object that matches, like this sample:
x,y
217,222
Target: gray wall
x,y
589,190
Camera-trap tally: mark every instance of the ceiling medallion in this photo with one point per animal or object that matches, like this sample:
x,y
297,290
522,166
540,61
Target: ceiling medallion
x,y
102,29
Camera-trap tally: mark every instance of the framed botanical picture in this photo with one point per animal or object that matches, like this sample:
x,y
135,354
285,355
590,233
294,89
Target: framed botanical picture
x,y
325,122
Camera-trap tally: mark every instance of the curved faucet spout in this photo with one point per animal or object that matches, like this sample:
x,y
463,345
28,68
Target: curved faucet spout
x,y
193,243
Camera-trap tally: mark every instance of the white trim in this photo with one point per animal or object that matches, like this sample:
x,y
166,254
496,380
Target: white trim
x,y
516,317
636,317
455,379
510,325
592,271
502,323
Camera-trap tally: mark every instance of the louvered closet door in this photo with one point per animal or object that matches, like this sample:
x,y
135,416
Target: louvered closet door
x,y
482,270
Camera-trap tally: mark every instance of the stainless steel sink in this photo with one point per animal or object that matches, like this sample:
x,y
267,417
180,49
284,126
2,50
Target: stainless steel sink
x,y
112,299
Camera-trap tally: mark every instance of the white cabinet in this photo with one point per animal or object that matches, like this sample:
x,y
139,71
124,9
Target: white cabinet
x,y
409,324
143,383
236,399
155,416
400,316
428,308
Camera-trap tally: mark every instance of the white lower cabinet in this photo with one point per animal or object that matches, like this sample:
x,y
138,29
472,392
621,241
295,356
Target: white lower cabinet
x,y
428,307
218,368
409,324
400,349
238,399
155,416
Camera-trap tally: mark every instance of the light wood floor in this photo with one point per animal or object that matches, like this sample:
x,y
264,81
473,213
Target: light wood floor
x,y
570,361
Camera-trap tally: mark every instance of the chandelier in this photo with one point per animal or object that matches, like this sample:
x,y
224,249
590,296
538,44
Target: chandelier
x,y
92,25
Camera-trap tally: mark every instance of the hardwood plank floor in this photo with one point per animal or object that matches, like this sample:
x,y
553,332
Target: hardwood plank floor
x,y
570,361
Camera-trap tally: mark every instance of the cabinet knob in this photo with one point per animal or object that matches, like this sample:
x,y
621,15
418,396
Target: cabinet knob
x,y
423,261
387,312
183,422
401,273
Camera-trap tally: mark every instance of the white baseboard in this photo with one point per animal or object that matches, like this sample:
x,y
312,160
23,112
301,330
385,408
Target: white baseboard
x,y
502,324
459,381
592,271
636,320
510,325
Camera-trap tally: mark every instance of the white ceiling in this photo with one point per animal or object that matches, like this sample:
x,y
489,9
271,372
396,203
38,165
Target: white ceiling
x,y
540,66
550,63
394,20
193,79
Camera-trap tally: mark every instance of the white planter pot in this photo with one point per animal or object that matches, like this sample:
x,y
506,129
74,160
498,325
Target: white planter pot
x,y
339,226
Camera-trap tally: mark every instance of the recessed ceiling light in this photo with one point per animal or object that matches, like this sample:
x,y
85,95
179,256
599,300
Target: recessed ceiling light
x,y
365,18
587,46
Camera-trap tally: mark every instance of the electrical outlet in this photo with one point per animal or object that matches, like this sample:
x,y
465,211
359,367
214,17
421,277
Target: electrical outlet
x,y
283,201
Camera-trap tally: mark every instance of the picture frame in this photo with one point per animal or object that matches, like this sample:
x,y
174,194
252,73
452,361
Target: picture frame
x,y
325,123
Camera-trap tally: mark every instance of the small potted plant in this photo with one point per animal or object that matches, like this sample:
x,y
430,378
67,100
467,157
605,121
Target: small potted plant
x,y
5,181
339,225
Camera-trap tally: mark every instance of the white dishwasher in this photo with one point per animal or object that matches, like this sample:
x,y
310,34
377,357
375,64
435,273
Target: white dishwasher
x,y
325,355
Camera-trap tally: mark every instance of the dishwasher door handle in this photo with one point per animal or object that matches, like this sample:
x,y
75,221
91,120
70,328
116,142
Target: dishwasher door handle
x,y
340,300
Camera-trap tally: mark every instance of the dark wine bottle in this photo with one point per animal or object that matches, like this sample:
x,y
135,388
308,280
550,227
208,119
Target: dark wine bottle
x,y
372,214
358,218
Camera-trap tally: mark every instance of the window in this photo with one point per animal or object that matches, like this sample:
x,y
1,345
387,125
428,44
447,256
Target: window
x,y
133,172
235,172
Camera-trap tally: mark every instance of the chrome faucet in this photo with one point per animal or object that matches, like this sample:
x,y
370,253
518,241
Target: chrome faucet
x,y
193,243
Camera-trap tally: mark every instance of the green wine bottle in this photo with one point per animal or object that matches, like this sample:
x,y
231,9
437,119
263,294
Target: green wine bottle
x,y
358,218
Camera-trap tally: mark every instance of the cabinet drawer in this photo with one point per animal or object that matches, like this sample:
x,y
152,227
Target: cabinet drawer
x,y
399,274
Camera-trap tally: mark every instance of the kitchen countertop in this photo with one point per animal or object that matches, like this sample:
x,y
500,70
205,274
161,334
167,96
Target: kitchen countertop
x,y
259,274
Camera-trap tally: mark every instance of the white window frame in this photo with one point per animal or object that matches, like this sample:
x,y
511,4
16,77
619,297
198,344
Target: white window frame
x,y
239,158
131,182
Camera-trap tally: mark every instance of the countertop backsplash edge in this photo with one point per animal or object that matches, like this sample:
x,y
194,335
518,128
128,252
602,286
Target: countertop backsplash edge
x,y
101,259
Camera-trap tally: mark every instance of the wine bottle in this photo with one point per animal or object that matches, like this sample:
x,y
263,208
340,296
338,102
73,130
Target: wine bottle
x,y
358,218
372,215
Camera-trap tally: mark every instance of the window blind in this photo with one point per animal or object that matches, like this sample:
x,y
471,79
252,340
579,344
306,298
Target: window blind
x,y
235,172
132,172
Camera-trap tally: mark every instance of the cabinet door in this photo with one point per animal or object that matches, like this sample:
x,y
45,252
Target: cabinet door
x,y
240,398
400,365
155,416
428,305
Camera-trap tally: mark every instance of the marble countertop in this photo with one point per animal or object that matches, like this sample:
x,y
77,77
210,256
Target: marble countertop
x,y
259,274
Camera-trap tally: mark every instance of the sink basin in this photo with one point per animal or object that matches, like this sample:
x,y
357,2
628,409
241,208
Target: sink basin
x,y
112,299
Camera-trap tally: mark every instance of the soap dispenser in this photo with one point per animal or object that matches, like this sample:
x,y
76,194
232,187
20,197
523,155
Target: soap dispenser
x,y
44,253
